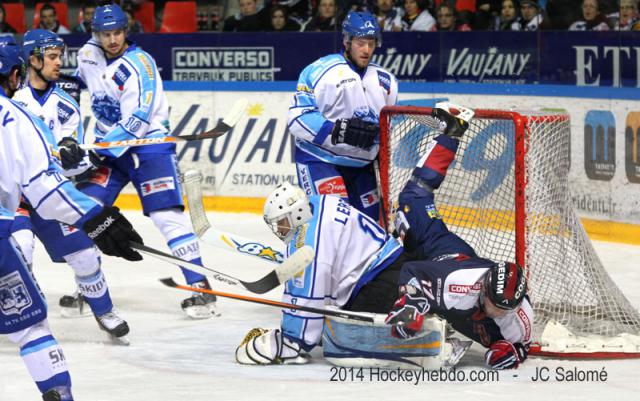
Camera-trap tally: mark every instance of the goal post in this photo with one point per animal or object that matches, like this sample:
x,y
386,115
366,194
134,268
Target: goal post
x,y
507,194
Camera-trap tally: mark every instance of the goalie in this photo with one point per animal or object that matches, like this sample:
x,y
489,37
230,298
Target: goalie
x,y
359,267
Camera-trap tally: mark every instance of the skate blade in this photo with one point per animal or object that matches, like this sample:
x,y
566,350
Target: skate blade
x,y
200,312
122,341
73,313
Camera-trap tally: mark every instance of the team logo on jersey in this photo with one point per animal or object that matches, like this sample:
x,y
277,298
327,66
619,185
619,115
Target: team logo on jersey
x,y
64,112
120,76
370,198
332,186
464,288
432,212
384,80
158,185
67,229
14,295
105,108
100,176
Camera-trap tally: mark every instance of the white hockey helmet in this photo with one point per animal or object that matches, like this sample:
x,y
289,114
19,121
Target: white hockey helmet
x,y
287,202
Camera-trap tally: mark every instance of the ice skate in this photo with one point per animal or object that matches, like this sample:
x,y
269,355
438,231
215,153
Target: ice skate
x,y
72,306
115,326
200,306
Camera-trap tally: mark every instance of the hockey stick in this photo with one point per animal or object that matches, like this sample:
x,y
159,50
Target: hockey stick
x,y
294,264
211,235
230,120
170,282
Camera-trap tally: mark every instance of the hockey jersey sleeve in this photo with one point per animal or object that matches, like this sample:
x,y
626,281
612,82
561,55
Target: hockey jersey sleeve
x,y
305,120
307,289
137,75
40,179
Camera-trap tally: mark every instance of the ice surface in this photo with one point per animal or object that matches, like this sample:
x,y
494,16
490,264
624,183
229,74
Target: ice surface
x,y
174,358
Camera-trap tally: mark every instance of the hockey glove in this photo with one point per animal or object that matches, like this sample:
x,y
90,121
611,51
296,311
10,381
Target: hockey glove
x,y
111,232
71,154
269,347
505,355
407,314
355,132
449,124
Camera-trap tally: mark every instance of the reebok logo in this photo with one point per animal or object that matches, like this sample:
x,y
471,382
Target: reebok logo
x,y
101,228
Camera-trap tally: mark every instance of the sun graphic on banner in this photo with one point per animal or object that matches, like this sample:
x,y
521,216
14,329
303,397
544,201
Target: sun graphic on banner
x,y
255,110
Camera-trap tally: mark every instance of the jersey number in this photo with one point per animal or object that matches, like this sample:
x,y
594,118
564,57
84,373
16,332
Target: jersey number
x,y
370,227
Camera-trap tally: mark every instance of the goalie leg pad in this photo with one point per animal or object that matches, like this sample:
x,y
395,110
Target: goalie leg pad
x,y
358,344
269,347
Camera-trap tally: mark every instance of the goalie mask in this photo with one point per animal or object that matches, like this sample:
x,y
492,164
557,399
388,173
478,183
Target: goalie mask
x,y
505,285
286,209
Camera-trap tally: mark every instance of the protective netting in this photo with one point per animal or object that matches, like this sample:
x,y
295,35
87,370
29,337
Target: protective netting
x,y
567,282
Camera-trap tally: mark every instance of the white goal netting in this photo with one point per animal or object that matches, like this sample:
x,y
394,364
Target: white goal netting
x,y
507,194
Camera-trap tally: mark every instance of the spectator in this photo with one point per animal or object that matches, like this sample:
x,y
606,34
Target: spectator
x,y
249,19
325,19
562,13
49,20
299,10
508,16
4,27
531,18
487,11
280,21
416,17
628,17
447,19
133,26
88,8
389,17
592,19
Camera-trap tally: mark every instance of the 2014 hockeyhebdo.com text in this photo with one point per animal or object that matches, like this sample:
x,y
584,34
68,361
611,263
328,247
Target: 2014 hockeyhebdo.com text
x,y
398,375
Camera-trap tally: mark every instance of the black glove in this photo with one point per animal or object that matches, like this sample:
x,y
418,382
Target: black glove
x,y
449,124
71,154
355,132
111,232
504,355
71,85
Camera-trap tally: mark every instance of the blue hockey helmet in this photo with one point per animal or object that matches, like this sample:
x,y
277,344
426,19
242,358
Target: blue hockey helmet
x,y
5,39
109,18
10,58
361,25
37,41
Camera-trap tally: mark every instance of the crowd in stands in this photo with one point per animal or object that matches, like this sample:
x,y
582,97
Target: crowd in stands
x,y
393,15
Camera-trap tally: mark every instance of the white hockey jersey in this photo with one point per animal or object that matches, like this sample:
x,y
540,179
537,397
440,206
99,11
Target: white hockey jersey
x,y
60,113
330,89
337,272
127,97
28,169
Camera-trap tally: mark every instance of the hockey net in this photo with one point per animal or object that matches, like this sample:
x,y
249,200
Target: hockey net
x,y
507,194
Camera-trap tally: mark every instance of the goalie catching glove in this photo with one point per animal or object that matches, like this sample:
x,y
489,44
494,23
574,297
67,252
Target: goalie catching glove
x,y
355,132
112,232
505,355
450,125
269,347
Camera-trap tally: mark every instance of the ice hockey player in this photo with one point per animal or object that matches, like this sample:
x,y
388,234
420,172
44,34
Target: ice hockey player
x,y
335,114
43,52
128,102
358,267
27,170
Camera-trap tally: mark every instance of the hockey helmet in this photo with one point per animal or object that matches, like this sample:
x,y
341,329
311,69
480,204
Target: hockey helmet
x,y
361,25
10,57
287,202
37,41
109,18
505,285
